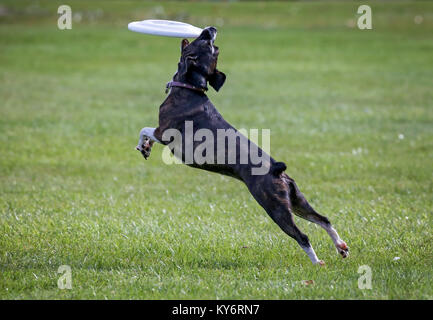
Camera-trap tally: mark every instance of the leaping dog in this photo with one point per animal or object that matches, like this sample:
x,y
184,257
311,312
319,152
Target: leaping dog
x,y
187,102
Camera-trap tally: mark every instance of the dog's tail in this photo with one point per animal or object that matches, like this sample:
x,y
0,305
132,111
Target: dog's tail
x,y
277,168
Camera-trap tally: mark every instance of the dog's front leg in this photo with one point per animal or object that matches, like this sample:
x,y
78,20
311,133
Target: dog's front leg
x,y
146,141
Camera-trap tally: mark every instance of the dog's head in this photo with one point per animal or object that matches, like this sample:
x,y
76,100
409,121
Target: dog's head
x,y
198,61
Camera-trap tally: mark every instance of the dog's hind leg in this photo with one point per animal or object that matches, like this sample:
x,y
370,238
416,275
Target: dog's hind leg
x,y
284,219
146,141
302,208
274,199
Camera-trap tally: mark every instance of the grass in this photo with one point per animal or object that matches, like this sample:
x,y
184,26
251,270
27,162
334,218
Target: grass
x,y
350,112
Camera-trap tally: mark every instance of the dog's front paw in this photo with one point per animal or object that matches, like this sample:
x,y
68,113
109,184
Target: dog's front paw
x,y
342,249
145,148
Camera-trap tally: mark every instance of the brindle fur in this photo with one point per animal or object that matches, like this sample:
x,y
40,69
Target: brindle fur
x,y
276,192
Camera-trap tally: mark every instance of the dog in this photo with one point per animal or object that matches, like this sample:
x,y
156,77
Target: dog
x,y
275,191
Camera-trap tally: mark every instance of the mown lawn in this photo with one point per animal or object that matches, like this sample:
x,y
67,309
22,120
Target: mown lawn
x,y
350,112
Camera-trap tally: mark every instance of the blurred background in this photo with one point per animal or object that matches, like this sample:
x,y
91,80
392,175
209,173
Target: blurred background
x,y
350,113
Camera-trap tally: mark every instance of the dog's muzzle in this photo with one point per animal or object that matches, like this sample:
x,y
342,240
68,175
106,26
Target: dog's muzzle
x,y
208,33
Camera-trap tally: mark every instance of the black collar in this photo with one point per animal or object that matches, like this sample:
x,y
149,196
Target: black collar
x,y
183,85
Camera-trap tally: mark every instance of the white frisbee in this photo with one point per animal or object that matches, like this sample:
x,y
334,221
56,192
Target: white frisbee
x,y
166,28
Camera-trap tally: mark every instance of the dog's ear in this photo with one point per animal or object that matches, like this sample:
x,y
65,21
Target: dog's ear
x,y
185,64
217,79
185,61
183,44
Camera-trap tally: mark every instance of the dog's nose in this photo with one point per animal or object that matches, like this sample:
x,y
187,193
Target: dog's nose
x,y
211,29
209,33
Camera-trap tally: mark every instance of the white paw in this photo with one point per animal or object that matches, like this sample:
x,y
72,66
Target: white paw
x,y
146,147
342,249
320,263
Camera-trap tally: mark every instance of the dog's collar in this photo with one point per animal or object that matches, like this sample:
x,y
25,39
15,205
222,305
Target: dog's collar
x,y
183,85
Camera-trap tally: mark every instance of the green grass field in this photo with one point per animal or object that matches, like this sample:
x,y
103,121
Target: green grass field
x,y
350,112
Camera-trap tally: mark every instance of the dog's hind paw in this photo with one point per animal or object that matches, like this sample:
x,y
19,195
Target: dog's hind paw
x,y
342,249
145,148
320,263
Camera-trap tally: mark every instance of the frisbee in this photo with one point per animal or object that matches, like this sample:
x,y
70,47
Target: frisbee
x,y
166,28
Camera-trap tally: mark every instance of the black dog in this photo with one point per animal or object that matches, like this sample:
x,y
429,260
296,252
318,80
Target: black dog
x,y
275,191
